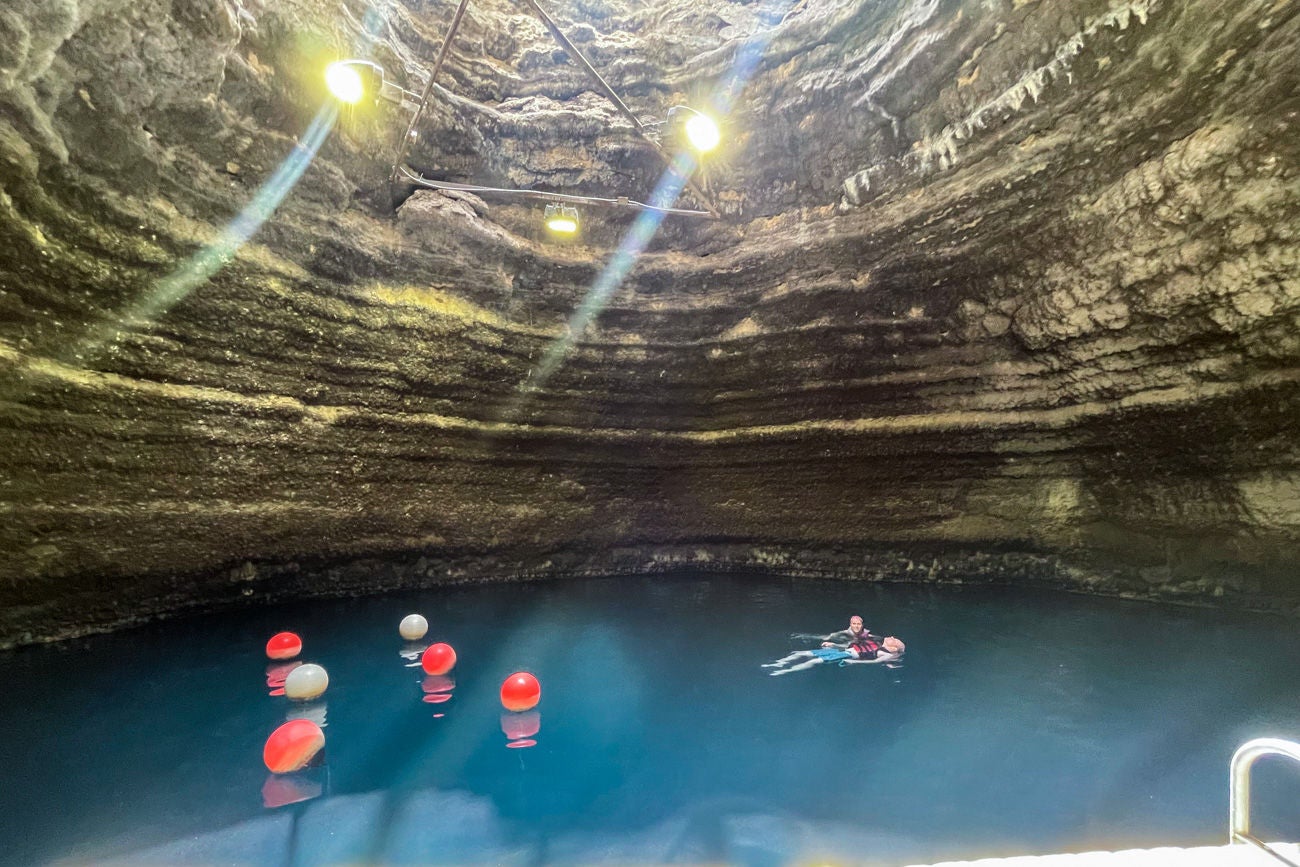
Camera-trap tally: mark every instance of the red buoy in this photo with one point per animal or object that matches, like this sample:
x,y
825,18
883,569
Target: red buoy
x,y
292,746
438,659
284,645
521,691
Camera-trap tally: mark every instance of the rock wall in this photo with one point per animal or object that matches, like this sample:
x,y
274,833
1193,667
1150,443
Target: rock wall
x,y
1004,290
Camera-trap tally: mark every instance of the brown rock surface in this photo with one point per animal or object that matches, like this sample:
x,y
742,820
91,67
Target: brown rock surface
x,y
1002,290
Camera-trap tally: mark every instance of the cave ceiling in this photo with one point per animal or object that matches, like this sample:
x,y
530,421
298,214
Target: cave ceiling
x,y
1015,276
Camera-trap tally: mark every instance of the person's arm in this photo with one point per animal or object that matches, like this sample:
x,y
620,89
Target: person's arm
x,y
838,639
880,657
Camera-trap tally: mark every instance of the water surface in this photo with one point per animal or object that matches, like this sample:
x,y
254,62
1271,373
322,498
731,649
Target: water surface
x,y
1020,722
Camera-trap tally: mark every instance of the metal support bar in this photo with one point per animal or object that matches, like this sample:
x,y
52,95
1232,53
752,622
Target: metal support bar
x,y
405,146
540,195
1239,783
618,103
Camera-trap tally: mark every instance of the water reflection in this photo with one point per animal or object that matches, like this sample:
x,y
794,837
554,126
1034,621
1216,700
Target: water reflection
x,y
277,673
521,729
411,652
281,790
437,688
308,710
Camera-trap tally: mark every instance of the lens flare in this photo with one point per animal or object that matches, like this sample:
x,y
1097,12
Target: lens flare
x,y
702,133
344,82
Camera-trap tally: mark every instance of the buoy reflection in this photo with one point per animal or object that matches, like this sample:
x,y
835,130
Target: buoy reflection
x,y
308,710
520,729
411,652
277,673
281,790
437,688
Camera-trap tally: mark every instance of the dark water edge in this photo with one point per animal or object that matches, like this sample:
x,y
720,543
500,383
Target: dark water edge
x,y
58,613
1021,721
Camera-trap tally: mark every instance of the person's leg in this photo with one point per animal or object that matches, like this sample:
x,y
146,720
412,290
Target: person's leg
x,y
798,654
815,660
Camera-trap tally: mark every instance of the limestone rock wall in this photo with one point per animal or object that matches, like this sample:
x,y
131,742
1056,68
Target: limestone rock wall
x,y
1005,289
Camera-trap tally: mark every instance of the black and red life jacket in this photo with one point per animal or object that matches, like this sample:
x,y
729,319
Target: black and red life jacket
x,y
866,647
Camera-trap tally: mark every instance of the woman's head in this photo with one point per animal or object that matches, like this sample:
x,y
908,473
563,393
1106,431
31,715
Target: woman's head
x,y
893,645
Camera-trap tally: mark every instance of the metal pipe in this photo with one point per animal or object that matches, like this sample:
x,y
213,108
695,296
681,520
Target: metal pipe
x,y
621,202
618,103
405,146
1239,780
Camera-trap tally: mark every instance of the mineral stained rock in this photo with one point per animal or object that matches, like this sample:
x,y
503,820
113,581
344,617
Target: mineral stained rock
x,y
1001,288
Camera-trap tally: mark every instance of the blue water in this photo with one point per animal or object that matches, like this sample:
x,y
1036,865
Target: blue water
x,y
1019,722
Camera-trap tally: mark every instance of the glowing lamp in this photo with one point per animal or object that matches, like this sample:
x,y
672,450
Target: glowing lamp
x,y
699,130
283,645
561,219
306,681
351,81
702,132
413,627
292,746
520,692
438,659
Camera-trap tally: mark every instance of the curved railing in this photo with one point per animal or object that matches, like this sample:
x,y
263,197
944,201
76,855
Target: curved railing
x,y
1239,786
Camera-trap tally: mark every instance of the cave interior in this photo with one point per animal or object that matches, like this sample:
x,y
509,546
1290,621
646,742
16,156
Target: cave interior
x,y
974,290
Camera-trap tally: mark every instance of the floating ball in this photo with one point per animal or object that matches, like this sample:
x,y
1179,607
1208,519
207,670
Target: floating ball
x,y
521,691
306,681
284,645
292,746
438,659
413,627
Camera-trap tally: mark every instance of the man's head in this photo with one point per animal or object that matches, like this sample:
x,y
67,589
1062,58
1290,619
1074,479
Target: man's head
x,y
893,645
855,624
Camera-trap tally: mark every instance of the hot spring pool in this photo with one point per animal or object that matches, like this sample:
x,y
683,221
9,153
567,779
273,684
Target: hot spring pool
x,y
1019,722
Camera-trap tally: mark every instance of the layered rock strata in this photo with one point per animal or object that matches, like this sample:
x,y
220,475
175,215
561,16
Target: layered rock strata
x,y
1001,289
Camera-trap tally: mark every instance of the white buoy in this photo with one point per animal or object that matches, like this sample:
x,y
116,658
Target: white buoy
x,y
306,681
413,627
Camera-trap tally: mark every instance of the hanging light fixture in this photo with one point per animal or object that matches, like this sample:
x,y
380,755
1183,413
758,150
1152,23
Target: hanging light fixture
x,y
353,81
561,219
700,130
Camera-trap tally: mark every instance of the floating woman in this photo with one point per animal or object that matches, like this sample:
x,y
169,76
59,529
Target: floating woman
x,y
865,650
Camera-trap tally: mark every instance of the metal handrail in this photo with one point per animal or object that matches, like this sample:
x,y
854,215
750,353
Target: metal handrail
x,y
1239,786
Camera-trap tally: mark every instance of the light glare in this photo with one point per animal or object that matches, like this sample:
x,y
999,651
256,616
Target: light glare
x,y
344,82
563,225
702,133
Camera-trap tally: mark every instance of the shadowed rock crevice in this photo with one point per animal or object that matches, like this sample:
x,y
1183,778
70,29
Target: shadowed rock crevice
x,y
1001,291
